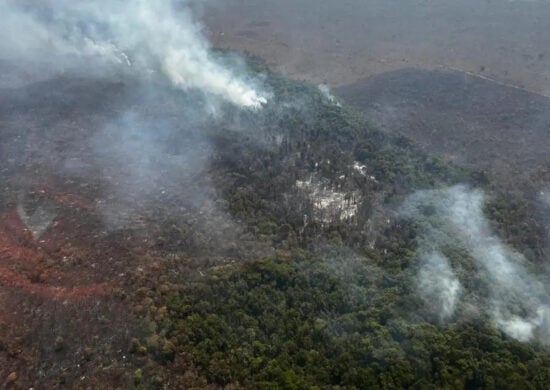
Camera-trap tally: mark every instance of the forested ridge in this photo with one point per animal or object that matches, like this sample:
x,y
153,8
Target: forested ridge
x,y
310,295
175,214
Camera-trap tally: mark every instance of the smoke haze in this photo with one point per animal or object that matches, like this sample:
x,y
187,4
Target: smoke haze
x,y
138,37
133,93
453,217
438,285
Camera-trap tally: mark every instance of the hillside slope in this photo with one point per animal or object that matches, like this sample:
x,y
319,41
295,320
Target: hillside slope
x,y
252,249
500,130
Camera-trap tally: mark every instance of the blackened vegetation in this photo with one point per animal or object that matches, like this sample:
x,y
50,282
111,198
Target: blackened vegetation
x,y
334,304
319,139
259,249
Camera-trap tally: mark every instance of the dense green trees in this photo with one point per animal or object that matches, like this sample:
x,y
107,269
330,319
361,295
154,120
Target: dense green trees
x,y
334,305
334,319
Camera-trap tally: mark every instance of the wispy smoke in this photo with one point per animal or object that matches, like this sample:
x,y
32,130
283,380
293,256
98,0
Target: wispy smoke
x,y
438,285
150,38
325,91
128,89
38,220
149,158
518,300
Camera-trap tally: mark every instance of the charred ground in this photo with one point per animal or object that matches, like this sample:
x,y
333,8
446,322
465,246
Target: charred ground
x,y
250,249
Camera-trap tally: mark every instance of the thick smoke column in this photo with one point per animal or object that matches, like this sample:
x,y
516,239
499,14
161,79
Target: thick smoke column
x,y
149,38
454,216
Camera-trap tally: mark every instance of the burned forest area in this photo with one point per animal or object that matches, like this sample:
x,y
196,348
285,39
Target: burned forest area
x,y
195,219
255,249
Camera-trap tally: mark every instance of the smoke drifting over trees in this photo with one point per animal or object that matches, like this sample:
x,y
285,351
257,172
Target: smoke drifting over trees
x,y
238,228
453,217
438,285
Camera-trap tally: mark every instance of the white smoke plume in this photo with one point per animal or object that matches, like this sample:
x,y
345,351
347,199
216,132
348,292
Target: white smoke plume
x,y
325,91
150,38
438,285
518,302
